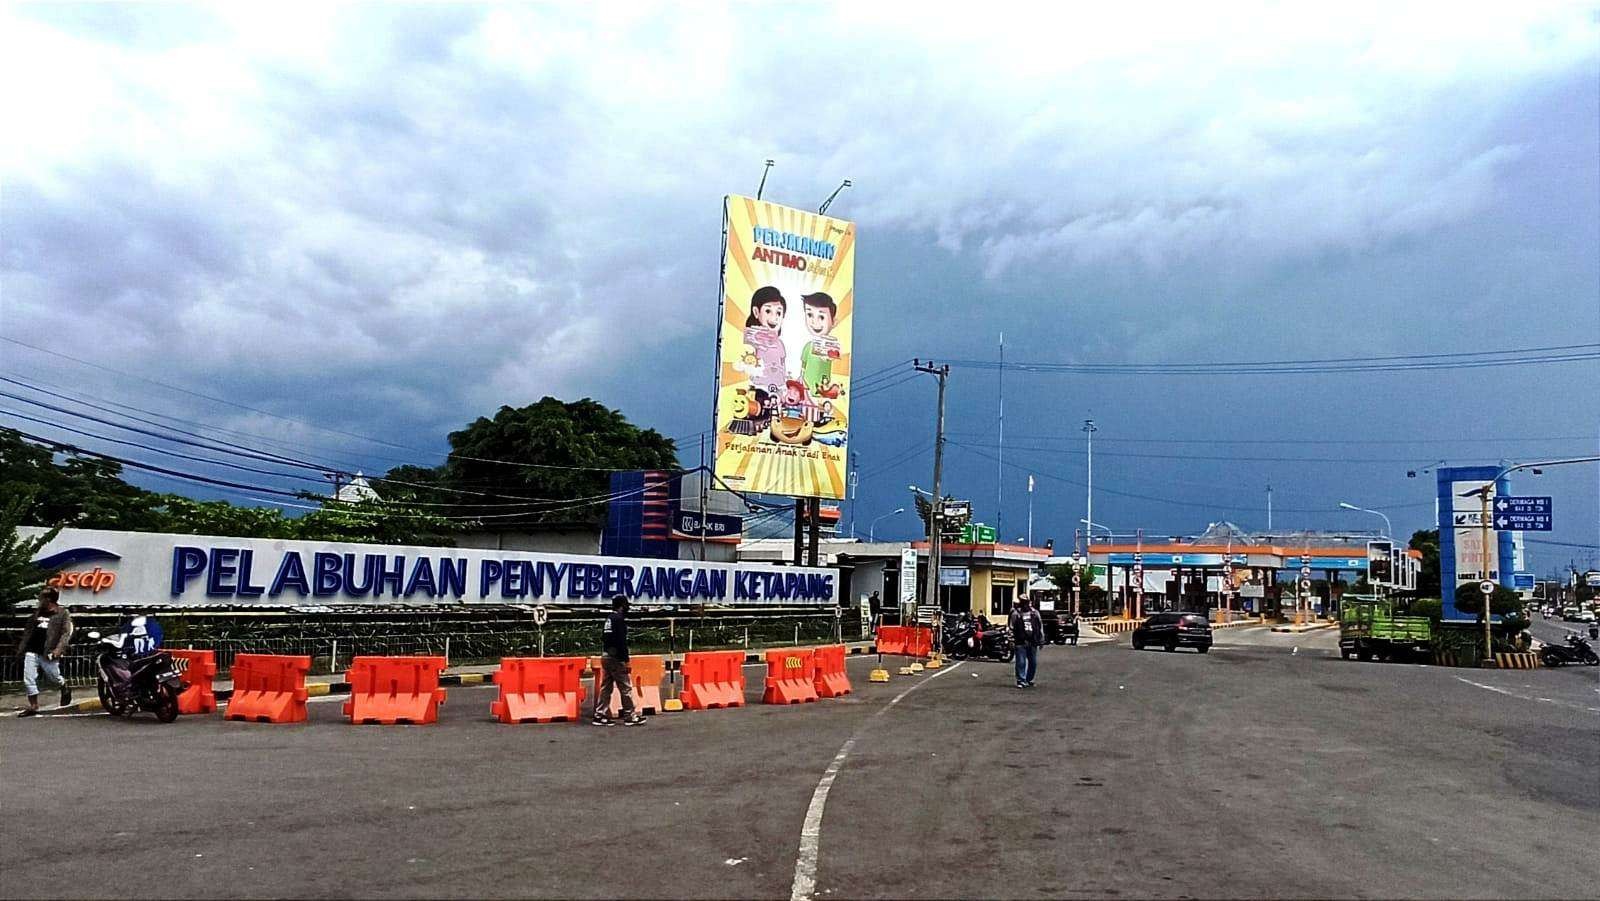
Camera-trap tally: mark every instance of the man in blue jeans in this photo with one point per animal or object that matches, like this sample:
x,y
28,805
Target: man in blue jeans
x,y
44,640
1027,632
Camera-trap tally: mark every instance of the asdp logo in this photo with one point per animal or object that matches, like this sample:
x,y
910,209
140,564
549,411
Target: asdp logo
x,y
93,580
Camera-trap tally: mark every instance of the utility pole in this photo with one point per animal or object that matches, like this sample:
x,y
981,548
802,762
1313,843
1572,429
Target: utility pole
x,y
1269,507
936,510
1000,462
1089,429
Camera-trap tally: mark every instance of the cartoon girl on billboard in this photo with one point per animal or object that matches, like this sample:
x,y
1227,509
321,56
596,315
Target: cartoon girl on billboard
x,y
763,332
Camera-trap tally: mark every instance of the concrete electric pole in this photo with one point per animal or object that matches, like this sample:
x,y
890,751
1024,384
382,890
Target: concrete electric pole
x,y
936,508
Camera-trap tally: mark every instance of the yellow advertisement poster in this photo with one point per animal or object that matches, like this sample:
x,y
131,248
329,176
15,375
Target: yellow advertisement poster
x,y
783,388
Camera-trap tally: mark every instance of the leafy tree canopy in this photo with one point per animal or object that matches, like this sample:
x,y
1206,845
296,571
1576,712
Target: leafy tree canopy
x,y
20,580
544,463
1427,541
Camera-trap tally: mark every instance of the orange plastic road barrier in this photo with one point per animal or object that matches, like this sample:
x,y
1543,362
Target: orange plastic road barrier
x,y
713,679
791,676
646,674
919,642
198,673
391,690
830,679
538,689
892,639
268,688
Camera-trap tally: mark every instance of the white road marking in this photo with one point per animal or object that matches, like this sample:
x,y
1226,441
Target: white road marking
x,y
805,865
1511,694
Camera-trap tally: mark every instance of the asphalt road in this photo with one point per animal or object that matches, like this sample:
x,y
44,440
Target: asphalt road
x,y
1555,630
1257,770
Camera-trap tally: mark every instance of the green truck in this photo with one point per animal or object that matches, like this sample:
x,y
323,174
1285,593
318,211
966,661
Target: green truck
x,y
1368,628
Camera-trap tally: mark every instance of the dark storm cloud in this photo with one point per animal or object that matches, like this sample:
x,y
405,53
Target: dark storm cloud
x,y
392,219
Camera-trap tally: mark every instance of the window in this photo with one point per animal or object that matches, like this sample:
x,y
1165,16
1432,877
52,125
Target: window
x,y
1000,599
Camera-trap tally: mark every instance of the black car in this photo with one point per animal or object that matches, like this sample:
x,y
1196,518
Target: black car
x,y
1173,631
1060,627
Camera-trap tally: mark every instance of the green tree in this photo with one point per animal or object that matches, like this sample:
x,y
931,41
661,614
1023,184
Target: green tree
x,y
552,457
191,517
1427,541
374,522
1504,601
20,580
77,491
1061,574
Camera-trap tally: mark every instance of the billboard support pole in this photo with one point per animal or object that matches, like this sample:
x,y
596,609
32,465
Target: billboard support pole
x,y
799,526
814,508
716,370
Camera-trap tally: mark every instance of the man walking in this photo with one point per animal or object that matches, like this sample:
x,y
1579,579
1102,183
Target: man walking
x,y
43,642
614,668
1027,632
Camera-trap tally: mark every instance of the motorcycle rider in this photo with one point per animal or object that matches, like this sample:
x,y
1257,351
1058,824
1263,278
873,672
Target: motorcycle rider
x,y
42,644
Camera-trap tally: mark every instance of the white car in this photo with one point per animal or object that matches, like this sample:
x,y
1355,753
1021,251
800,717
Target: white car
x,y
1586,616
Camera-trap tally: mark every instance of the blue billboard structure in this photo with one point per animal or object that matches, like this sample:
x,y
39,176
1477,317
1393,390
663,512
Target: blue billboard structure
x,y
1461,556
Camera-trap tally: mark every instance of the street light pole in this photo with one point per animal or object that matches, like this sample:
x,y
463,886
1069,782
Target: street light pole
x,y
1388,528
872,529
1089,430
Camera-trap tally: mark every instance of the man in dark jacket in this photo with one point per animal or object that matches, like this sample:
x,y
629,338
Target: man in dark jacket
x,y
1027,631
614,668
43,642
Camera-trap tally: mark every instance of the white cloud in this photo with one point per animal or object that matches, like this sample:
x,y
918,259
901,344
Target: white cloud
x,y
375,190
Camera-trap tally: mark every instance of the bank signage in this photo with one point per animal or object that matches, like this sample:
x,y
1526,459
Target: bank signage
x,y
190,570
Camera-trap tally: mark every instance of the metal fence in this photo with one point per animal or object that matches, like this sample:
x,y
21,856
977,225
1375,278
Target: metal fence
x,y
331,654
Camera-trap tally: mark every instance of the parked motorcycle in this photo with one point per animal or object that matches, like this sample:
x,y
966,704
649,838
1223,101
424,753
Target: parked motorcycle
x,y
970,637
1576,651
148,682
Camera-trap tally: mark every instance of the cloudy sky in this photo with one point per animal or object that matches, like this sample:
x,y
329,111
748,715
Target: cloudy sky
x,y
387,220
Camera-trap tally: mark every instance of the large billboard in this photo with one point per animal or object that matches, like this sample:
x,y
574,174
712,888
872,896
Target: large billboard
x,y
784,350
1463,558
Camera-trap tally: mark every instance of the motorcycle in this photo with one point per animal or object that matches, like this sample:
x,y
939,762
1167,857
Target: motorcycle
x,y
127,685
974,638
1575,651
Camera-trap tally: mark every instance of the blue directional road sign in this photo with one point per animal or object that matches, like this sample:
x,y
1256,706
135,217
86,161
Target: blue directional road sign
x,y
1522,514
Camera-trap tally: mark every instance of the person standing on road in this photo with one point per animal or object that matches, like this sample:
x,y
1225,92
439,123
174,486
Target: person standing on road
x,y
1027,632
614,671
43,642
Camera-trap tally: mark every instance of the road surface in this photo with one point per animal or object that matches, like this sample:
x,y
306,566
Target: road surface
x,y
1267,768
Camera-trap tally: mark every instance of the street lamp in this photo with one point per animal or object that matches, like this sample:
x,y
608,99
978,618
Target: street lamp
x,y
1094,525
1388,530
872,530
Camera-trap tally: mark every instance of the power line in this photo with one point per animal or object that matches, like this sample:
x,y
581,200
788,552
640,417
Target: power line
x,y
1399,362
451,455
240,486
1314,441
1162,500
